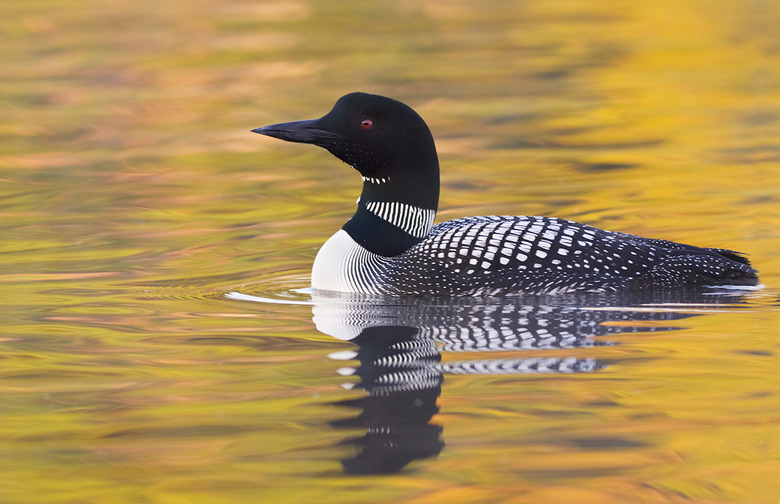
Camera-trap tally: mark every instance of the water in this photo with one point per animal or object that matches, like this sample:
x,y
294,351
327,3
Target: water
x,y
160,344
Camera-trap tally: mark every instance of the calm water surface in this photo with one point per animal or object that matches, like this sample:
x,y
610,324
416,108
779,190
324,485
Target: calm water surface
x,y
160,344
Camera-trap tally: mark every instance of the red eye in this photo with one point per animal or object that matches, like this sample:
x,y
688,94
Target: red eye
x,y
367,124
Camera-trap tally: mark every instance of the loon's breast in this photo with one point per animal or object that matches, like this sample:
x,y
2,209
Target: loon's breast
x,y
343,265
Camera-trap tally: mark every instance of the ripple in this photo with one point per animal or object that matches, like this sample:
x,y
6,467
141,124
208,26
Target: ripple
x,y
238,296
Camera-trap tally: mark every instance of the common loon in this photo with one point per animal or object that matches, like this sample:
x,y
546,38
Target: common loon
x,y
391,246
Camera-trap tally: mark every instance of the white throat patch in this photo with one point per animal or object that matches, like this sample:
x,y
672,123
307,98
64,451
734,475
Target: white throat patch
x,y
375,180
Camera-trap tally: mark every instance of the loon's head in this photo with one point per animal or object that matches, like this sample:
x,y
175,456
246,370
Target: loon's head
x,y
383,139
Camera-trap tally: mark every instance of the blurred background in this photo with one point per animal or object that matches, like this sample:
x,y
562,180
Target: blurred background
x,y
133,197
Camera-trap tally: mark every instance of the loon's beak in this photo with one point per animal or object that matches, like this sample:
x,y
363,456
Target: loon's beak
x,y
298,131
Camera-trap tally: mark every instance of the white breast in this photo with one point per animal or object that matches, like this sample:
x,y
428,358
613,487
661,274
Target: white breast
x,y
342,265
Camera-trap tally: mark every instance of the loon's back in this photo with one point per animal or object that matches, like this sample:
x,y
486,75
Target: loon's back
x,y
390,245
489,255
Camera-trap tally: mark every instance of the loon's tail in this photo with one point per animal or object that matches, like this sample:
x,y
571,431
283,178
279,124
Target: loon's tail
x,y
732,255
708,266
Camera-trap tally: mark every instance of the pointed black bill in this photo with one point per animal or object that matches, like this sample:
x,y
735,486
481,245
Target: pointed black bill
x,y
298,131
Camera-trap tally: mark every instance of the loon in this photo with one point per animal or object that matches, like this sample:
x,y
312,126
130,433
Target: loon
x,y
391,246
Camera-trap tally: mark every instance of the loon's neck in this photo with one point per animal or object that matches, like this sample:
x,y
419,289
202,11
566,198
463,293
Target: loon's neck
x,y
397,207
387,222
388,228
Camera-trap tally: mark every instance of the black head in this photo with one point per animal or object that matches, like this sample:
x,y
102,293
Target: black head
x,y
385,140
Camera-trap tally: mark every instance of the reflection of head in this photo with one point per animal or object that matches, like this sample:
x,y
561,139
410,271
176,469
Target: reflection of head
x,y
397,371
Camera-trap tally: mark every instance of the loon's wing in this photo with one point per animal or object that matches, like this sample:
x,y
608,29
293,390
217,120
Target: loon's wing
x,y
732,255
514,254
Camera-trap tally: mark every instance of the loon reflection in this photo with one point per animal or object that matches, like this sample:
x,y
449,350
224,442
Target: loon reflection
x,y
399,357
400,342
